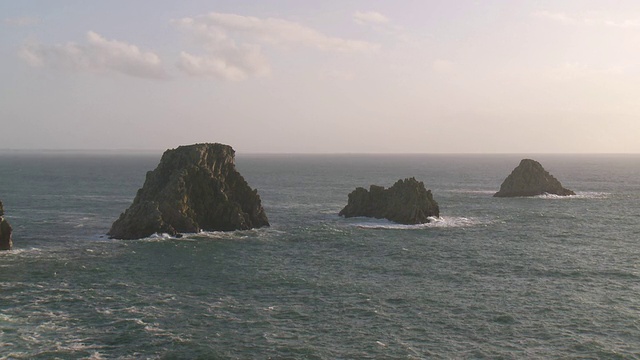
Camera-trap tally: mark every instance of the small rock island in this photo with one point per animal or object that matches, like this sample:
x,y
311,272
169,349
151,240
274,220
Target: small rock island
x,y
6,243
194,188
406,202
531,179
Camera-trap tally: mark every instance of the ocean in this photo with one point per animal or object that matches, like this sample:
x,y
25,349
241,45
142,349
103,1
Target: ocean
x,y
493,278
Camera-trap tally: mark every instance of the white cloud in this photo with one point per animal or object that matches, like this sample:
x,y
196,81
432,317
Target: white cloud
x,y
223,67
21,21
559,17
591,18
97,55
233,43
370,17
574,71
383,26
623,24
277,31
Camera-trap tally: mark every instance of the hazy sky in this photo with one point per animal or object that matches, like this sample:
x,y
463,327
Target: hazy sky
x,y
325,76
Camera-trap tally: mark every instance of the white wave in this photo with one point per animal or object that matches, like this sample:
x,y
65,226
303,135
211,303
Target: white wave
x,y
435,222
237,234
225,235
578,195
17,252
158,237
456,221
155,328
96,356
7,318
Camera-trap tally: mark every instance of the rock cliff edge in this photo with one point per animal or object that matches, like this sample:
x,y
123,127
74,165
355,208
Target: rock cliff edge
x,y
194,188
406,202
531,179
6,243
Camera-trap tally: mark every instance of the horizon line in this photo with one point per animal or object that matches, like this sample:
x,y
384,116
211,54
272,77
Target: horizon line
x,y
160,151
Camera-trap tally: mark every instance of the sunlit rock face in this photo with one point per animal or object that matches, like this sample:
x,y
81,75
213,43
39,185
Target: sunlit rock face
x,y
531,179
194,188
406,202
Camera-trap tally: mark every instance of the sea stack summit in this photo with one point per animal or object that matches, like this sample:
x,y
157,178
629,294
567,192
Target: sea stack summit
x,y
5,231
194,188
406,202
531,179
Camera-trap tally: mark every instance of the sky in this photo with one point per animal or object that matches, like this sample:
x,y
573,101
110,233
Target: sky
x,y
295,76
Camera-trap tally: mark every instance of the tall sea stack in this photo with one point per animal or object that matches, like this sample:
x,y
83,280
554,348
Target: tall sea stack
x,y
194,188
6,243
406,202
531,179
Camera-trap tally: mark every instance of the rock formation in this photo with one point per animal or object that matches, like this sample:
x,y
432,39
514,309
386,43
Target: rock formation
x,y
531,179
194,188
406,202
5,231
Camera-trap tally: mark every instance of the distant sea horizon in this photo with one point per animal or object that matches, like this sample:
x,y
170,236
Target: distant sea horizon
x,y
153,151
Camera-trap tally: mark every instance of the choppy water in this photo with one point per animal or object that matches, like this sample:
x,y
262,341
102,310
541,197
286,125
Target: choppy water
x,y
542,277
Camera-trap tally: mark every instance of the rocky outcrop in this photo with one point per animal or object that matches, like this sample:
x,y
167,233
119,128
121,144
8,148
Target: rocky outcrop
x,y
531,179
194,188
406,202
6,243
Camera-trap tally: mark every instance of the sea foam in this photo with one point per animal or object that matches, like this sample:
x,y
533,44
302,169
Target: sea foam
x,y
435,222
578,195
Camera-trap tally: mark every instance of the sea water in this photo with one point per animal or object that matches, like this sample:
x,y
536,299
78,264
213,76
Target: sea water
x,y
510,278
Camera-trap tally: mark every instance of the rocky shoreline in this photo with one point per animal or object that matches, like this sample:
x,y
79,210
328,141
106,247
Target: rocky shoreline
x,y
197,188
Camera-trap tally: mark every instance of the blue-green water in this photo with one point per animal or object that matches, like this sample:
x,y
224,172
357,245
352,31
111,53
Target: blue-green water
x,y
542,277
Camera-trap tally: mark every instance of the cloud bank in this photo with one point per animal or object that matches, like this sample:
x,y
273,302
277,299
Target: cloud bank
x,y
97,55
233,44
592,18
370,17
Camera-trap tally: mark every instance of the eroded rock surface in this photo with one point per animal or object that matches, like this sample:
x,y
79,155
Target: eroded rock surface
x,y
531,179
406,202
6,242
194,188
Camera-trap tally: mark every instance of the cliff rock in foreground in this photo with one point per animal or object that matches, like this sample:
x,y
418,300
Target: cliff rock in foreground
x,y
406,202
194,188
531,179
5,231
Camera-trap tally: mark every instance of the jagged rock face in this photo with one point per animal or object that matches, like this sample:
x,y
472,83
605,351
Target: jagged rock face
x,y
531,179
194,188
6,243
406,202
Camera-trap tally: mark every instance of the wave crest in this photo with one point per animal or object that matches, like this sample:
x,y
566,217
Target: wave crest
x,y
435,222
578,195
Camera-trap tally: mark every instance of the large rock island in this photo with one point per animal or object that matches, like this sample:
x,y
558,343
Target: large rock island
x,y
5,231
194,188
406,202
531,179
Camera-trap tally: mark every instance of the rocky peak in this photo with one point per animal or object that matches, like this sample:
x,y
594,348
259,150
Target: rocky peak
x,y
193,188
406,202
529,178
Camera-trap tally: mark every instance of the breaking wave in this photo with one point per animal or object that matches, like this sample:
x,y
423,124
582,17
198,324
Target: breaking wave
x,y
435,222
578,195
212,235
